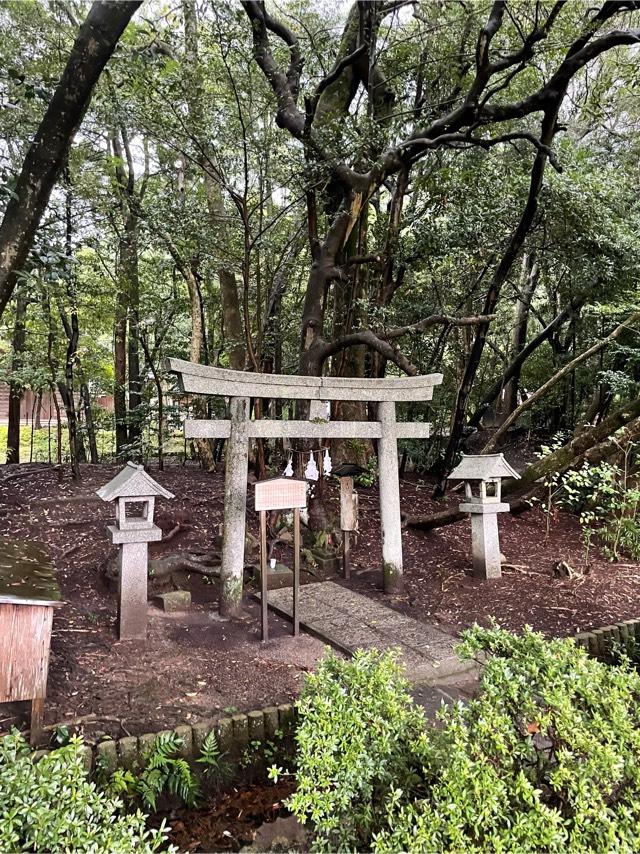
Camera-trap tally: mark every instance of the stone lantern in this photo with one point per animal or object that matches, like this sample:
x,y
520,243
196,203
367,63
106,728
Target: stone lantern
x,y
133,492
482,475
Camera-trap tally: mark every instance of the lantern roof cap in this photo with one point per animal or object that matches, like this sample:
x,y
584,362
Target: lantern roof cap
x,y
483,467
132,482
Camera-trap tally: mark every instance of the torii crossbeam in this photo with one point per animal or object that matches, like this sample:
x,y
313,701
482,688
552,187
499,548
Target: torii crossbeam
x,y
240,386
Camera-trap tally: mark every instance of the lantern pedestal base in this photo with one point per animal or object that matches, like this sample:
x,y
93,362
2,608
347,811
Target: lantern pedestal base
x,y
485,542
133,568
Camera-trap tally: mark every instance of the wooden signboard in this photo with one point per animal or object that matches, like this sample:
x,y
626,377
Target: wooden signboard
x,y
280,493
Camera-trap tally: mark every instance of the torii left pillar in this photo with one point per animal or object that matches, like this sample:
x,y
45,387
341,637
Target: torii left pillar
x,y
235,509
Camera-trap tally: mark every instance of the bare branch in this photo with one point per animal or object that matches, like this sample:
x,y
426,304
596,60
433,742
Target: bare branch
x,y
567,369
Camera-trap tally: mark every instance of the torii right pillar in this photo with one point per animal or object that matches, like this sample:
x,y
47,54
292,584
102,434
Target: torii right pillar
x,y
389,487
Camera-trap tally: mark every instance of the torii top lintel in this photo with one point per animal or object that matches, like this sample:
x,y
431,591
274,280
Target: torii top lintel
x,y
204,379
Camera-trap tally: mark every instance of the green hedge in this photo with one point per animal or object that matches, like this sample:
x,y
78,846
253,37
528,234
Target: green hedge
x,y
544,759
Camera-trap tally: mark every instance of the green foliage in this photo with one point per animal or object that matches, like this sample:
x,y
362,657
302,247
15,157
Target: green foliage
x,y
551,481
608,505
543,759
210,753
370,476
50,805
357,723
164,771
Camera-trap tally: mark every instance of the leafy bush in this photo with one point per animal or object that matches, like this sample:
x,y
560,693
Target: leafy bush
x,y
50,805
357,723
608,505
545,758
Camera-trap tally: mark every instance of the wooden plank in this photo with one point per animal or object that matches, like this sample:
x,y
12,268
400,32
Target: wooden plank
x,y
37,720
25,637
296,572
205,379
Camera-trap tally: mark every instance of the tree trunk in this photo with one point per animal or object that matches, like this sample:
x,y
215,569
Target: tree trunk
x,y
88,417
15,384
47,154
38,410
53,368
348,315
134,418
493,294
530,271
232,316
120,352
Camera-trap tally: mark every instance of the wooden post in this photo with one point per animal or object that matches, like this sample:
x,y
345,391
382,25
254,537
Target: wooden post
x,y
264,578
389,485
37,720
235,509
296,572
347,522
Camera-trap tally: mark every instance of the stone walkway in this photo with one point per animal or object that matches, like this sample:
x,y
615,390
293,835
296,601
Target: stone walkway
x,y
348,621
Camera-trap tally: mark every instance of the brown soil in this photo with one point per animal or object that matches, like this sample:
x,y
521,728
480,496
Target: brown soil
x,y
237,819
439,586
194,666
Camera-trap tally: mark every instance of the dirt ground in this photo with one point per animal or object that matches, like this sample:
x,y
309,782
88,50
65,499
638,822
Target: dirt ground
x,y
195,665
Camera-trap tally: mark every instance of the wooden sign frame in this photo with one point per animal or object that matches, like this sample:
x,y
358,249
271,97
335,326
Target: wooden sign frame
x,y
279,493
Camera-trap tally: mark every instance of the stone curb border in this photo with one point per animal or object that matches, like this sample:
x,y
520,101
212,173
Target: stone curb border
x,y
601,643
234,735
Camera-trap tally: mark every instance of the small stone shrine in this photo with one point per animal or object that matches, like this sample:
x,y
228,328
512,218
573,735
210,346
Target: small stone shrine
x,y
280,493
133,492
482,475
28,594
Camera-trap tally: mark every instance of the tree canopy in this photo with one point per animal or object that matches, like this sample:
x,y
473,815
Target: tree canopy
x,y
389,187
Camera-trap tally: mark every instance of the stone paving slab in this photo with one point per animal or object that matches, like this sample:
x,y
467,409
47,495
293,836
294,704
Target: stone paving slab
x,y
348,621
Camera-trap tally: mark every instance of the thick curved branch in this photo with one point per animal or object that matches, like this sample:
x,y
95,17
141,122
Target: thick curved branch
x,y
436,320
568,311
572,63
379,341
567,369
369,339
484,142
284,85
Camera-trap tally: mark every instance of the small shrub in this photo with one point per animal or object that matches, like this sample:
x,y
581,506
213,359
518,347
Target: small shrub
x,y
545,758
608,505
353,741
51,805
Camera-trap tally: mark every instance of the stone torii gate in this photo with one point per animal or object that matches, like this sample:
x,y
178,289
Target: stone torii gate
x,y
240,386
